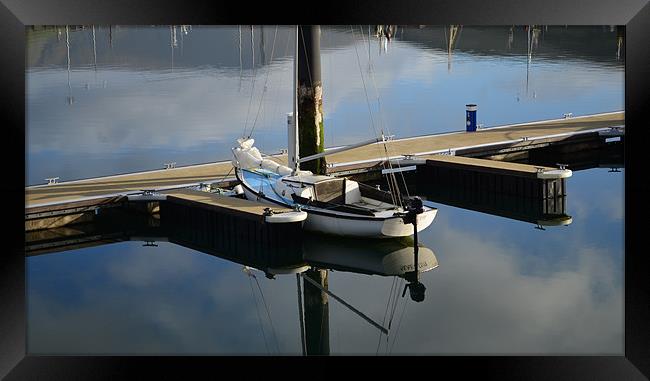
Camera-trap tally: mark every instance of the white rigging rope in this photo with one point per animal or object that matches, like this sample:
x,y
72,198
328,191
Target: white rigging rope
x,y
392,181
394,193
382,119
241,67
248,272
303,344
388,302
259,318
304,48
266,81
399,324
250,101
395,301
276,89
268,313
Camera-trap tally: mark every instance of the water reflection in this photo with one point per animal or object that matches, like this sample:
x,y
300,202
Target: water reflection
x,y
317,256
502,287
129,111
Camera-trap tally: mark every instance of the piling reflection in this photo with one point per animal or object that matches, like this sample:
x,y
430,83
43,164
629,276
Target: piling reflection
x,y
309,258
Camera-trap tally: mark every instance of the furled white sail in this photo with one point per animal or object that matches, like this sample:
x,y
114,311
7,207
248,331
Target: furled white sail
x,y
248,157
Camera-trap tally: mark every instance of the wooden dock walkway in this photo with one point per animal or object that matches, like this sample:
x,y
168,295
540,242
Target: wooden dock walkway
x,y
455,143
487,166
236,206
460,143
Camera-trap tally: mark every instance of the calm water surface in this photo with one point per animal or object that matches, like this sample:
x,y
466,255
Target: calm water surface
x,y
502,286
139,100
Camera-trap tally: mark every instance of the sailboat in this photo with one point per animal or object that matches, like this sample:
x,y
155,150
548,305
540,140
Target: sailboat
x,y
334,205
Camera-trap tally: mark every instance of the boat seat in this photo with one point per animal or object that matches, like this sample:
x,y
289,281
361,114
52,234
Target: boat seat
x,y
354,209
331,190
352,192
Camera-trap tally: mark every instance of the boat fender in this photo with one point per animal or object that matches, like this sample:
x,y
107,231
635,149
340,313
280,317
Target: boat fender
x,y
287,217
554,174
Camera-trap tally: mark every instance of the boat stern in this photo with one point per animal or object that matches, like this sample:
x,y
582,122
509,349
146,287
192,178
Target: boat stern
x,y
395,227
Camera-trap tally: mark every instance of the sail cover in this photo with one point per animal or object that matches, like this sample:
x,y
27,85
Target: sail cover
x,y
249,157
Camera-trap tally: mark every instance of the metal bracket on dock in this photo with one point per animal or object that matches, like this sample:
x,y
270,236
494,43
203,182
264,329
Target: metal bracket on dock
x,y
561,166
613,133
147,195
52,180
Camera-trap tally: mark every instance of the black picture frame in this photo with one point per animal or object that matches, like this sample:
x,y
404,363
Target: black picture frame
x,y
16,364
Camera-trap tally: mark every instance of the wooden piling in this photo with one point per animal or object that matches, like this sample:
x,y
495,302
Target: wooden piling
x,y
316,313
310,98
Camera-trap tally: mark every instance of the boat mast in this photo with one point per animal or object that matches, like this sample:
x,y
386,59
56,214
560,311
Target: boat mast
x,y
293,151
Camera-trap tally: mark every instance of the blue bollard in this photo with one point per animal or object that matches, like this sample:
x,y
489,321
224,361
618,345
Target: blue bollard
x,y
471,118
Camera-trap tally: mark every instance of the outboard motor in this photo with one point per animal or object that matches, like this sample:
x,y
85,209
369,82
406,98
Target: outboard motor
x,y
414,207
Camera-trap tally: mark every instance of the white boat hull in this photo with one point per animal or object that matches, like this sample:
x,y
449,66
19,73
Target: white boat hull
x,y
368,227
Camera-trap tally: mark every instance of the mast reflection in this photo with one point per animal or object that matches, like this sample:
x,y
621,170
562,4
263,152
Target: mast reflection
x,y
310,260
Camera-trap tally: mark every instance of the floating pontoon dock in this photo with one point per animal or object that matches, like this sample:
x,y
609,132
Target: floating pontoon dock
x,y
61,203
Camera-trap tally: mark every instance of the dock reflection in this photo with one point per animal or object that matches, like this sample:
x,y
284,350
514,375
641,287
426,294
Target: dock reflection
x,y
309,259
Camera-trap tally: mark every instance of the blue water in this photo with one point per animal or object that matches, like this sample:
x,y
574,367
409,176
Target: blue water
x,y
502,286
143,102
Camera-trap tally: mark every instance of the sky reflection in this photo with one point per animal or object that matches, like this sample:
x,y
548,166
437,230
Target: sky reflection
x,y
135,109
502,287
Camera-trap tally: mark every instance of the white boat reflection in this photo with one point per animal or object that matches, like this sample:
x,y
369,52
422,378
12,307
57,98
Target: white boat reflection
x,y
387,258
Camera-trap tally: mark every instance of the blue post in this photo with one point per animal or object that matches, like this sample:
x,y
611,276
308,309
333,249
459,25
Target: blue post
x,y
471,118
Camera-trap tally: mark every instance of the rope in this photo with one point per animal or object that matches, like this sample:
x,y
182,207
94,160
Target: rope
x,y
390,296
268,313
265,83
303,344
227,174
259,318
395,302
385,125
369,62
241,67
392,191
250,101
275,90
304,48
398,326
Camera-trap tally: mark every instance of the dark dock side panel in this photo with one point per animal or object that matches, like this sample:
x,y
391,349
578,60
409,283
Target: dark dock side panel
x,y
507,189
233,228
